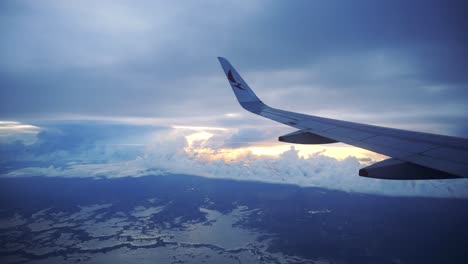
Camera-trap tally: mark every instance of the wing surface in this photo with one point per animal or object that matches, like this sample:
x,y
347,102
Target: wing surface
x,y
444,156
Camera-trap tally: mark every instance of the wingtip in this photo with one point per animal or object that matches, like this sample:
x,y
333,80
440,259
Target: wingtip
x,y
221,59
225,64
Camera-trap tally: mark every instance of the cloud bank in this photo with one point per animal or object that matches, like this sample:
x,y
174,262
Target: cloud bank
x,y
117,150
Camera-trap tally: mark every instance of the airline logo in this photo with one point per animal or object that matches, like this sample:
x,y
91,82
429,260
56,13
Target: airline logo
x,y
233,81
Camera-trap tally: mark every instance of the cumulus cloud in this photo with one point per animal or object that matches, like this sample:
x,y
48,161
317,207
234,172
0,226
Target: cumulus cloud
x,y
168,151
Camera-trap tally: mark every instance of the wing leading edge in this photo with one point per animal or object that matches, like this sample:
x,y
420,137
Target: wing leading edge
x,y
415,155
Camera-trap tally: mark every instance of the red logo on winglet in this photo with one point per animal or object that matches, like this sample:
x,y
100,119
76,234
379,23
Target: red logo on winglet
x,y
233,81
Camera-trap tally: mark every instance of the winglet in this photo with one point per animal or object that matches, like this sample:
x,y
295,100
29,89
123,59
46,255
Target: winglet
x,y
246,97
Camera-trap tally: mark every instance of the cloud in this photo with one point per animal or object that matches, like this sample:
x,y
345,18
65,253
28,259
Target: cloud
x,y
136,70
246,136
13,131
421,29
63,142
168,151
158,59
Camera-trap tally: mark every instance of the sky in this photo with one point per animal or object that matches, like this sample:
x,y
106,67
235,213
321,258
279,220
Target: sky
x,y
125,88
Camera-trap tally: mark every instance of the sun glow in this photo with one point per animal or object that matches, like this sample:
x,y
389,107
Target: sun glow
x,y
199,137
200,128
199,147
13,127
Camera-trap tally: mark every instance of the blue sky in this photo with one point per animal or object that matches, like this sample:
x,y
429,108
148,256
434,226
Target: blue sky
x,y
108,82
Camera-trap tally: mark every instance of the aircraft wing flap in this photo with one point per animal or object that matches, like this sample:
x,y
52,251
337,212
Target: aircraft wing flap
x,y
351,133
404,144
317,126
379,148
279,118
452,154
449,166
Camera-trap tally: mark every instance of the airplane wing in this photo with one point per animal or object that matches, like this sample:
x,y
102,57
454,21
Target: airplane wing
x,y
414,155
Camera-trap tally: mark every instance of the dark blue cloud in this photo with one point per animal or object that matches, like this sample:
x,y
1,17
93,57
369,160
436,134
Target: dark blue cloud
x,y
303,31
63,142
114,59
79,136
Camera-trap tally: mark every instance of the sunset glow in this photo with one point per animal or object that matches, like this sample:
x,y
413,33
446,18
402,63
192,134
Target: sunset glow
x,y
198,146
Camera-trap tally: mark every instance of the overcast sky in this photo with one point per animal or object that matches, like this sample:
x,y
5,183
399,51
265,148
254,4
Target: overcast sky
x,y
389,62
393,63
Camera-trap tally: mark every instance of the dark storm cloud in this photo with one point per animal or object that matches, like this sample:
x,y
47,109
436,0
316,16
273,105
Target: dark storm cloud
x,y
378,58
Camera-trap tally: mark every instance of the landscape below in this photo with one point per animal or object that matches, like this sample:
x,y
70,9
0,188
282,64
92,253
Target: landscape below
x,y
190,219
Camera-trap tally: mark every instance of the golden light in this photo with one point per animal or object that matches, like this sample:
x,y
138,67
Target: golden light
x,y
198,147
200,128
202,136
